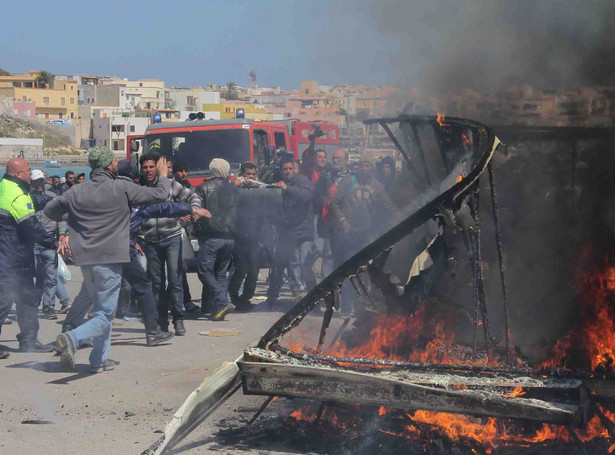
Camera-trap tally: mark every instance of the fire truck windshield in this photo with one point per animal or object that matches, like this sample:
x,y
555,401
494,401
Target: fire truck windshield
x,y
197,148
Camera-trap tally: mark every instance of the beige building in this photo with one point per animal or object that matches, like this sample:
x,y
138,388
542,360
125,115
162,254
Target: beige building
x,y
57,103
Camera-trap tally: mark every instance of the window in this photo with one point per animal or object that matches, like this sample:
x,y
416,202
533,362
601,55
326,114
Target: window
x,y
72,100
62,101
60,115
117,128
132,128
280,139
46,114
72,115
196,149
261,140
45,100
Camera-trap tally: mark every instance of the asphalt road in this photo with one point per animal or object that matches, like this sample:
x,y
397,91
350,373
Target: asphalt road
x,y
119,412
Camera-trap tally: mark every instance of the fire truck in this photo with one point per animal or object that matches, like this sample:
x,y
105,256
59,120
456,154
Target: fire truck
x,y
197,141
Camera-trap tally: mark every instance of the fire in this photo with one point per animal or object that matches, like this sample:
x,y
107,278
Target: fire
x,y
594,337
396,337
517,392
302,414
489,433
440,119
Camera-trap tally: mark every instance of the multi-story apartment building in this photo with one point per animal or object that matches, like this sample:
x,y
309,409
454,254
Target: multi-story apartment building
x,y
59,102
111,126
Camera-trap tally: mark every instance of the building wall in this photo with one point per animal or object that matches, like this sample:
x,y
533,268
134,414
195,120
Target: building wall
x,y
228,110
112,130
59,103
11,147
151,91
25,109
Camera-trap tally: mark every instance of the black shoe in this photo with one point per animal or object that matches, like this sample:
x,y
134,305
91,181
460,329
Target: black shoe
x,y
67,354
154,335
180,330
35,346
190,307
50,314
4,355
107,366
219,316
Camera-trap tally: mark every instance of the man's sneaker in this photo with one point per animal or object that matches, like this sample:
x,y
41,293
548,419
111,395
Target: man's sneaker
x,y
219,316
49,313
7,321
180,330
67,354
35,346
4,355
107,366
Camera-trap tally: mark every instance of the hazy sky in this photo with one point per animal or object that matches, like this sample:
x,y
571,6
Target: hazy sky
x,y
437,43
196,42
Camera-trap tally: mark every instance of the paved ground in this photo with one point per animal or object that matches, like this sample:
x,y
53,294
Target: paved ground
x,y
119,412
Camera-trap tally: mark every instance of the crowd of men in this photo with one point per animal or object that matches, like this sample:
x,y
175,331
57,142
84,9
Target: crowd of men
x,y
130,229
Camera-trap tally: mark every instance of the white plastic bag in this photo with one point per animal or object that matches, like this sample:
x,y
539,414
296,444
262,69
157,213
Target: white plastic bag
x,y
63,272
187,251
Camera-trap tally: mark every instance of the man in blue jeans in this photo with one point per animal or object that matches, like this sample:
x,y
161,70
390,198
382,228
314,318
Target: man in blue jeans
x,y
46,259
162,245
216,237
99,233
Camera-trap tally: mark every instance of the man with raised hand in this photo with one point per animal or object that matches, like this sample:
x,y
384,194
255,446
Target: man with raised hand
x,y
99,233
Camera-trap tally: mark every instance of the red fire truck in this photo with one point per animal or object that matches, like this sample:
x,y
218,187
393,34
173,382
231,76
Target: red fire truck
x,y
196,142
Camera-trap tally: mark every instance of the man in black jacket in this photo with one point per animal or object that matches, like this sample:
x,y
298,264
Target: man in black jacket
x,y
297,227
216,237
19,231
247,252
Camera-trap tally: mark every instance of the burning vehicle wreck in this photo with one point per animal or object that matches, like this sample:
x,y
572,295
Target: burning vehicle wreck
x,y
415,344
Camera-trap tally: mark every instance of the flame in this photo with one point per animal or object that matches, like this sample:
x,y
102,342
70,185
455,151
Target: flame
x,y
302,414
396,337
594,337
440,119
517,392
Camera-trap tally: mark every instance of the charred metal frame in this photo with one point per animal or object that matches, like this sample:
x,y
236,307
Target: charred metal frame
x,y
267,368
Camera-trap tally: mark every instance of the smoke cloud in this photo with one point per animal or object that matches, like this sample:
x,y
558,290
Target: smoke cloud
x,y
487,45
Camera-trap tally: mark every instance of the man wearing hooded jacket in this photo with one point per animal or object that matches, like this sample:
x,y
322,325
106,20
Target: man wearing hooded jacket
x,y
216,237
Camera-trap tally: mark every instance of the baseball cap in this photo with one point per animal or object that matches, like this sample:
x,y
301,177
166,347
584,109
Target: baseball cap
x,y
37,174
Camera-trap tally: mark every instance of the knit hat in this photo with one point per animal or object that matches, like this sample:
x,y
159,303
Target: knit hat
x,y
100,157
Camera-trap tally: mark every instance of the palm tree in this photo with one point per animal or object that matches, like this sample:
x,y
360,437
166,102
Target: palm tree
x,y
44,79
231,91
